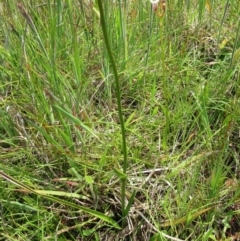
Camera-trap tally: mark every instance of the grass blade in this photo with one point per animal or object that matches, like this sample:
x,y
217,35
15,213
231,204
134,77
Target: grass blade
x,y
61,201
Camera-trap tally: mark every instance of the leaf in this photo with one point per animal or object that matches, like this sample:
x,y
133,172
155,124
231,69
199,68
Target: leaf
x,y
127,122
236,56
208,6
89,180
19,205
223,43
61,201
130,202
75,120
55,193
185,218
120,174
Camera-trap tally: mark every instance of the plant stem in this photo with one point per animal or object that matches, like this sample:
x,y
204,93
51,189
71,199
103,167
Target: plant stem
x,y
118,95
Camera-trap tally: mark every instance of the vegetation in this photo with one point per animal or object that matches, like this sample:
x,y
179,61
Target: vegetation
x,y
119,120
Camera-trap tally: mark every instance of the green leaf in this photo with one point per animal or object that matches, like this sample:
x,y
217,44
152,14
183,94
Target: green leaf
x,y
130,202
89,179
61,201
120,174
75,120
19,205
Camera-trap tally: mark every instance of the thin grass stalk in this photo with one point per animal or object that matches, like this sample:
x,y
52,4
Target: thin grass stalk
x,y
188,5
201,9
30,22
53,44
123,21
59,17
149,44
223,18
76,55
165,84
118,95
235,43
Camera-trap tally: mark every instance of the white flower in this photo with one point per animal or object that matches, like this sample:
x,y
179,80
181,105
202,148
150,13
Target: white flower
x,y
154,4
154,1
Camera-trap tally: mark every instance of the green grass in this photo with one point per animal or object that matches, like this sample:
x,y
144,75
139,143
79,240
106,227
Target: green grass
x,y
127,130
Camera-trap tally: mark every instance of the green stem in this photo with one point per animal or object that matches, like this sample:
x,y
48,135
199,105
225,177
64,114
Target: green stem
x,y
118,93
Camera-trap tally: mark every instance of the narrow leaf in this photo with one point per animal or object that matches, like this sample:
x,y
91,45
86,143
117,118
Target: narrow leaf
x,y
61,201
76,120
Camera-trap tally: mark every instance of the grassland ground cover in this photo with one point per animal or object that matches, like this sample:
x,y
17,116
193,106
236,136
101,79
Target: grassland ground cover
x,y
127,130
